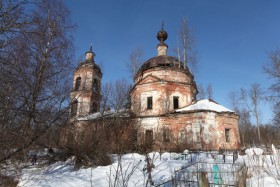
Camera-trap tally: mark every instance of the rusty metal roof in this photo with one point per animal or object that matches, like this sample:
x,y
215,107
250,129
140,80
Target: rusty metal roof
x,y
162,61
90,63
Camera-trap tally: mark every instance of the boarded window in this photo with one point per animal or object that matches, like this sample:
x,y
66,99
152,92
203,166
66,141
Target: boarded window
x,y
74,108
77,83
150,103
176,102
227,135
149,137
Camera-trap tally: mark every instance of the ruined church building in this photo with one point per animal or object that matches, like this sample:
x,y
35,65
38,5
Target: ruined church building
x,y
163,101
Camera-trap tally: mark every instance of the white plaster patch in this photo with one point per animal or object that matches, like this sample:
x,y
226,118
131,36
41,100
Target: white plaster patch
x,y
149,123
206,133
144,97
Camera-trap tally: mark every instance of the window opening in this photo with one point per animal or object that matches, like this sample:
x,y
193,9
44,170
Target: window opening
x,y
176,102
227,135
74,108
77,83
94,108
95,85
149,137
150,103
166,135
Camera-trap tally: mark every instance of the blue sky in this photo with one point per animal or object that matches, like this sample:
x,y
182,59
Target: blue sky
x,y
232,37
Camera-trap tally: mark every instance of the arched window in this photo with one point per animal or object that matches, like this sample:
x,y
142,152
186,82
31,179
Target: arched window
x,y
74,108
94,108
95,85
77,83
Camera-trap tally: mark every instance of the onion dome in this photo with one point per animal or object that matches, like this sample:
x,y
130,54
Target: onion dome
x,y
162,34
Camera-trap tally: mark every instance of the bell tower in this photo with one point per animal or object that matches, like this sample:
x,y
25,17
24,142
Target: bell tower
x,y
85,95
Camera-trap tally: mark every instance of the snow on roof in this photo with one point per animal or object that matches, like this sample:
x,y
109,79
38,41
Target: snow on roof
x,y
205,104
111,113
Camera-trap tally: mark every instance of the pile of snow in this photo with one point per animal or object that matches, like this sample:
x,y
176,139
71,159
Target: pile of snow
x,y
254,151
205,104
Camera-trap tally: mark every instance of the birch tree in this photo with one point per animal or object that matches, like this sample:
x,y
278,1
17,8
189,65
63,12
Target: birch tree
x,y
252,99
209,91
186,50
38,71
206,92
272,69
134,62
244,122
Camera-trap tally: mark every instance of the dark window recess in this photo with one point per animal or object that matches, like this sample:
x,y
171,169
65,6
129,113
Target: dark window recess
x,y
166,135
133,137
70,139
149,137
150,103
95,85
74,108
227,135
176,102
77,83
94,108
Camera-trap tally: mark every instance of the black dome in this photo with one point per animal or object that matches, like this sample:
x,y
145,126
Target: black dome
x,y
162,35
162,61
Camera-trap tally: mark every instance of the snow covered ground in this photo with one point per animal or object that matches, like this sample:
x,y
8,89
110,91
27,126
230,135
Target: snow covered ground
x,y
263,170
131,170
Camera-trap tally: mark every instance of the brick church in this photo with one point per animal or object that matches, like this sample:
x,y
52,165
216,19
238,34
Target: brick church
x,y
163,104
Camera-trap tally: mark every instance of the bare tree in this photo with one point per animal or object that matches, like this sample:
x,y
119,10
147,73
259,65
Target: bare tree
x,y
115,95
186,51
36,91
201,92
120,175
13,19
249,133
205,92
106,92
251,99
233,98
245,126
256,96
272,69
134,62
209,91
120,95
244,115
